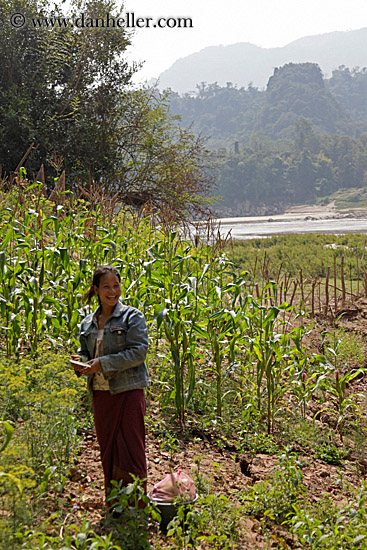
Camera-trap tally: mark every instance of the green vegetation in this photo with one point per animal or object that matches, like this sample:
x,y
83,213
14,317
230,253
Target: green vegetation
x,y
302,139
264,177
49,94
297,92
328,526
67,102
350,198
291,253
41,400
227,368
236,375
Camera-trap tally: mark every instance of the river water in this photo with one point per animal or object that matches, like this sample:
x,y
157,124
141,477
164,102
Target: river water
x,y
261,227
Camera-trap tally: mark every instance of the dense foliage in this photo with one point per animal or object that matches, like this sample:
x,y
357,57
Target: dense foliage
x,y
349,87
60,89
66,101
266,176
226,114
299,140
225,366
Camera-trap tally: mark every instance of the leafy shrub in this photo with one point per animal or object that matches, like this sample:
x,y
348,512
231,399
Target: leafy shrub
x,y
330,527
44,399
330,454
275,498
213,521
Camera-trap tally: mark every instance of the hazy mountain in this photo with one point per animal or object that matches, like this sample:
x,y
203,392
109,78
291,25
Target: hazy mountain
x,y
243,63
295,93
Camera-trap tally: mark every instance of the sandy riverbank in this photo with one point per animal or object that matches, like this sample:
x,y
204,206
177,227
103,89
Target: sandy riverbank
x,y
302,212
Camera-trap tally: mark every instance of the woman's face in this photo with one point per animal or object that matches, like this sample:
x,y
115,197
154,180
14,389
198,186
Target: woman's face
x,y
109,290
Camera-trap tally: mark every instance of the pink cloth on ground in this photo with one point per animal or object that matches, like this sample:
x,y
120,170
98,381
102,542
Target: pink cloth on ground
x,y
174,485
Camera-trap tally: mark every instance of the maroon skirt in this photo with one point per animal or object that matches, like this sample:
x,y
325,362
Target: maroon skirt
x,y
119,422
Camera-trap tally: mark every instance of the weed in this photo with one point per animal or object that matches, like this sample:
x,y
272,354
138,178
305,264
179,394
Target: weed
x,y
133,511
257,443
349,351
214,521
202,484
170,442
329,453
304,433
83,538
274,499
329,527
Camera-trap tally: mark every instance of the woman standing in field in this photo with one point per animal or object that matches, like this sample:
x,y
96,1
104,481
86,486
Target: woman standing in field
x,y
114,342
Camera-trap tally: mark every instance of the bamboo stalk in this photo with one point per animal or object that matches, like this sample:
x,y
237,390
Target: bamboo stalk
x,y
335,282
263,270
301,283
294,292
350,278
278,276
327,291
254,275
285,287
277,281
343,281
270,294
25,156
364,269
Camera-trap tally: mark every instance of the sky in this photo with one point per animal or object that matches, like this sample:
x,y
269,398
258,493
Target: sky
x,y
266,23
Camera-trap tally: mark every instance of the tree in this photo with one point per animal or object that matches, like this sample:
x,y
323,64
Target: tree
x,y
294,91
350,88
59,88
157,161
68,91
304,136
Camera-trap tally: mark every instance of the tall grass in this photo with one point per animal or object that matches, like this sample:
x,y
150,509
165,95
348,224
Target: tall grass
x,y
208,328
217,351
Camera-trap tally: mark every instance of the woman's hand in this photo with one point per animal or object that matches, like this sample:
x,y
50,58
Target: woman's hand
x,y
76,358
91,367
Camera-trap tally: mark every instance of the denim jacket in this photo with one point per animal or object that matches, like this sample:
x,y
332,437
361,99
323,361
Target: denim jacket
x,y
125,345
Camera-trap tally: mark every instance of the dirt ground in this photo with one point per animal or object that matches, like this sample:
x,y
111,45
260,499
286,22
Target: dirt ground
x,y
227,471
227,477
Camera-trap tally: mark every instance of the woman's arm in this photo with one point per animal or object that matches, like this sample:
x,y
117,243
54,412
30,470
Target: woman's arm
x,y
82,353
83,349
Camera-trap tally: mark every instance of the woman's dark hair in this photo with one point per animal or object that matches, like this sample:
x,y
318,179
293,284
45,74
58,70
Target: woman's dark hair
x,y
98,273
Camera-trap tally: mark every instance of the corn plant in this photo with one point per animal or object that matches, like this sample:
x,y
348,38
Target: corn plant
x,y
307,372
221,335
331,343
221,319
337,386
270,350
305,384
181,344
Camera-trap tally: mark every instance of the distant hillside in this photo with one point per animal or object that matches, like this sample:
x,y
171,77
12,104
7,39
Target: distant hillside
x,y
298,91
245,63
300,140
295,93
